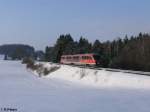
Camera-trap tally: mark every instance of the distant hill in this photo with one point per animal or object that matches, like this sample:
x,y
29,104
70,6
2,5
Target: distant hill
x,y
17,51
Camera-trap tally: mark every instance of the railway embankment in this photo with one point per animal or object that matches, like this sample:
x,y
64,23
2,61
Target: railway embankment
x,y
101,77
91,77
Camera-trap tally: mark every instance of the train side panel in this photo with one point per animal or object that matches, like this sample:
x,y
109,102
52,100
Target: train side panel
x,y
81,59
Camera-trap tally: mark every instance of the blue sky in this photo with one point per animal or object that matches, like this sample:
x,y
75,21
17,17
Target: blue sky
x,y
40,22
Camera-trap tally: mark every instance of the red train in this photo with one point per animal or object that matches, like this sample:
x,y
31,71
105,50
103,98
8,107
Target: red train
x,y
81,59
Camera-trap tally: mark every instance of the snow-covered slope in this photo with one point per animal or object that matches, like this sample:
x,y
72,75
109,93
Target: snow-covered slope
x,y
101,78
21,90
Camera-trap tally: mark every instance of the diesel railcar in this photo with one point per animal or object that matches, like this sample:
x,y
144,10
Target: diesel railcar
x,y
81,59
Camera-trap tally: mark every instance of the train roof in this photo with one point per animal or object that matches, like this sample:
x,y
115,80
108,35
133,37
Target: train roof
x,y
81,54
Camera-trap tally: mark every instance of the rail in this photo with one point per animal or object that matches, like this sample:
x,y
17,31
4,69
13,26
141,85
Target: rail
x,y
114,70
110,69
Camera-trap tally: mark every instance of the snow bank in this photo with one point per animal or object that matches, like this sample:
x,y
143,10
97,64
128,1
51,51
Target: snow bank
x,y
101,78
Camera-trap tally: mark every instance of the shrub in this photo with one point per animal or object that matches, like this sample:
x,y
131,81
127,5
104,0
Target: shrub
x,y
52,69
27,60
39,68
46,71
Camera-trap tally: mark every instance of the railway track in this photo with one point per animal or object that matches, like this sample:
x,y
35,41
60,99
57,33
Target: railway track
x,y
109,69
112,70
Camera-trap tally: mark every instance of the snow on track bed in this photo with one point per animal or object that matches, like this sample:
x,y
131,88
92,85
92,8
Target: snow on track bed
x,y
28,93
110,69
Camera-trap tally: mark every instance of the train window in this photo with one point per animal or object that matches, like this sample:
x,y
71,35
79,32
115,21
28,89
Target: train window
x,y
69,57
89,57
83,57
86,57
76,57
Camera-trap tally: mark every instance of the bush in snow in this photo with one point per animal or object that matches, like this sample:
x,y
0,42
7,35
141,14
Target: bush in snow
x,y
39,68
42,70
27,60
29,63
54,68
82,73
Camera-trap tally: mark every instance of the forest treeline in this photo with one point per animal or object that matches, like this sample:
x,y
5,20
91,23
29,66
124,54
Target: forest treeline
x,y
20,51
131,53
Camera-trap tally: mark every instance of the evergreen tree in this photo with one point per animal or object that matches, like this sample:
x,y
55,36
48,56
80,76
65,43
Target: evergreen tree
x,y
128,53
84,46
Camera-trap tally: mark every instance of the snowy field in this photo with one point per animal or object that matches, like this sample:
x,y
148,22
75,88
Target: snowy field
x,y
1,57
66,91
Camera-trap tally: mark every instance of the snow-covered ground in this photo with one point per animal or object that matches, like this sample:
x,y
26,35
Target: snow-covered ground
x,y
62,92
101,78
1,57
